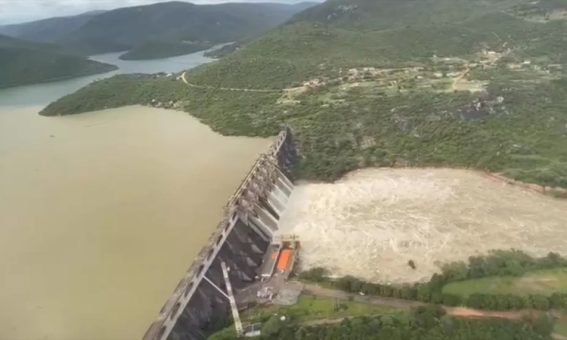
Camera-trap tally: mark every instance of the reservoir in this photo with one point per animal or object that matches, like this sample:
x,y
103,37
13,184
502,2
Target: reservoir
x,y
43,94
102,213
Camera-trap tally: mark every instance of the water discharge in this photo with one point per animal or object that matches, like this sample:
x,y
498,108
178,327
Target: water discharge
x,y
102,213
373,221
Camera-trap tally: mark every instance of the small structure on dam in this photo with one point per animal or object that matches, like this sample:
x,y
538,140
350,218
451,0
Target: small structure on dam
x,y
280,257
240,242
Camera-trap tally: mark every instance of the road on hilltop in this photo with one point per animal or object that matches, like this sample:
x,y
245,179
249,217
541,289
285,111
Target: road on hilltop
x,y
184,79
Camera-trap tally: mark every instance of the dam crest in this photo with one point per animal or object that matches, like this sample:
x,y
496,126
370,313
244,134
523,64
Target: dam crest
x,y
240,242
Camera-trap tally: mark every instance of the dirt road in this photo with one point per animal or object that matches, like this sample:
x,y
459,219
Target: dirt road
x,y
184,80
315,290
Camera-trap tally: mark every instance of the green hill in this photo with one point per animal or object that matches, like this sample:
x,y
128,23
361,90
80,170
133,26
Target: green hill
x,y
467,83
23,63
48,30
164,49
158,30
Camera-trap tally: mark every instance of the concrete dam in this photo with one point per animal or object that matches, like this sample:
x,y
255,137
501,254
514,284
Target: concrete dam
x,y
240,242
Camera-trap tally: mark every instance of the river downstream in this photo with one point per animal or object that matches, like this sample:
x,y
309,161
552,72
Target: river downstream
x,y
102,213
372,222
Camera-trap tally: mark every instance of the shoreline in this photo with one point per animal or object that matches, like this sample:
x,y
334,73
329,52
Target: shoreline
x,y
109,68
556,192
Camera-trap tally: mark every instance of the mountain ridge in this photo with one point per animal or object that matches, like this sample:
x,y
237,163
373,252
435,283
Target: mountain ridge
x,y
47,30
167,22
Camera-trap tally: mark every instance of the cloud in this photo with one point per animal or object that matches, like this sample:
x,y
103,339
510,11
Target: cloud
x,y
14,11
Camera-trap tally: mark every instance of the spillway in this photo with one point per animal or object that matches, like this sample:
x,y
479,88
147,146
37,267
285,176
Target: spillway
x,y
241,240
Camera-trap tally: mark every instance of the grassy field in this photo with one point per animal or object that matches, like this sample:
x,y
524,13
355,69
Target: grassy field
x,y
561,327
544,282
315,308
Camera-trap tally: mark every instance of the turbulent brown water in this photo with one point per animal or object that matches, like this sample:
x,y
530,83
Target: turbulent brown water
x,y
373,221
101,214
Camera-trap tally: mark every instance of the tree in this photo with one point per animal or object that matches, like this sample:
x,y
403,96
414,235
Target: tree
x,y
408,293
386,291
424,293
272,327
476,267
349,284
516,302
451,300
502,302
543,324
552,260
316,274
539,302
480,301
455,271
437,282
427,317
558,300
448,324
436,297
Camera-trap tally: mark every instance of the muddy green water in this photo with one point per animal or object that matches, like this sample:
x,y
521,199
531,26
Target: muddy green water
x,y
102,213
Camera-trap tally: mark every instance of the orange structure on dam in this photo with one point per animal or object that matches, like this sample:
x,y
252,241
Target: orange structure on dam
x,y
284,260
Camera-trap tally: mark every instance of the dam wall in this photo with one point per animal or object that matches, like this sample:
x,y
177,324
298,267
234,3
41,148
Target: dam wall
x,y
241,240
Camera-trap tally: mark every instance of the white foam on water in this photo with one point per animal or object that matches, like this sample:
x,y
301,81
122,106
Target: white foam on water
x,y
373,221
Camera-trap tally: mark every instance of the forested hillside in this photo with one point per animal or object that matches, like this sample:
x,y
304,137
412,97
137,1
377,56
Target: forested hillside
x,y
467,83
23,62
164,49
48,30
158,30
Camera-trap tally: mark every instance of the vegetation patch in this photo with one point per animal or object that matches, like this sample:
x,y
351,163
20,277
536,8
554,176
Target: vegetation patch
x,y
541,11
561,327
544,282
426,322
315,308
311,308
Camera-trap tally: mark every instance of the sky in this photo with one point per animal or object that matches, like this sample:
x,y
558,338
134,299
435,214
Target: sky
x,y
15,11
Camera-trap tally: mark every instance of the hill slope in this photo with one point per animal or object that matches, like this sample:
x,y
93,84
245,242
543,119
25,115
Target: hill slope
x,y
23,63
160,29
48,30
164,49
389,83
